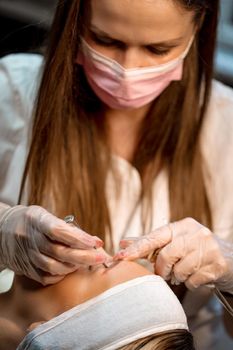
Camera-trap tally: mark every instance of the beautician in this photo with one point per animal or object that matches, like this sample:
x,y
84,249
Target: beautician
x,y
121,125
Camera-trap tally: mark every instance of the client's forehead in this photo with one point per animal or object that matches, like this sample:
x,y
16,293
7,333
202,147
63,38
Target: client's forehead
x,y
85,284
123,271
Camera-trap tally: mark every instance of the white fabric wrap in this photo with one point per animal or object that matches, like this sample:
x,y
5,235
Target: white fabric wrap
x,y
127,312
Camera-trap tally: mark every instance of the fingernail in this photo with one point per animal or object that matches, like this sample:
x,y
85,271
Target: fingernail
x,y
99,243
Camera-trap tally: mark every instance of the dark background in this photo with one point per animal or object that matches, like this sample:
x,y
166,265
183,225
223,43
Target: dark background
x,y
24,25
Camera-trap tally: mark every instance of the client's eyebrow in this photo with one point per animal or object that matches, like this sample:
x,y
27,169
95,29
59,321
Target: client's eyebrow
x,y
168,43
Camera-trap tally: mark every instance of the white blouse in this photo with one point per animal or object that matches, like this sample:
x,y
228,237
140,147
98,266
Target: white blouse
x,y
19,80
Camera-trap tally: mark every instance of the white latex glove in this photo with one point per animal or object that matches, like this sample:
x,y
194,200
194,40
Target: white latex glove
x,y
190,253
37,244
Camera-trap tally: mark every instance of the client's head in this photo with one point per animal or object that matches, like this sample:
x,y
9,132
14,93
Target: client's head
x,y
137,312
179,339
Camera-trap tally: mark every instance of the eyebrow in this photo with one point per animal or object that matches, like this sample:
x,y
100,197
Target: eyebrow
x,y
168,43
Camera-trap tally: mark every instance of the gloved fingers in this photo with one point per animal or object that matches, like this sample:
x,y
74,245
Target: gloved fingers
x,y
204,276
142,247
57,230
195,244
169,256
126,242
216,271
45,278
103,251
138,249
50,265
134,248
186,267
99,242
69,255
184,226
72,236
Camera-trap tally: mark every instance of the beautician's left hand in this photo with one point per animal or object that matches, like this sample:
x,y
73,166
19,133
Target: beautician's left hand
x,y
190,253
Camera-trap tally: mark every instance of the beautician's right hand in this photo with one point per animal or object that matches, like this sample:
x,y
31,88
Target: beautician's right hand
x,y
37,244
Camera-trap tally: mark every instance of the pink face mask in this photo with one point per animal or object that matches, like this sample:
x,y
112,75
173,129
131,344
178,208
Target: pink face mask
x,y
121,88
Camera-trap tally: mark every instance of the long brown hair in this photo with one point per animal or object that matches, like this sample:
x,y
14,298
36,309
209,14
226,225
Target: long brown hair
x,y
179,339
69,160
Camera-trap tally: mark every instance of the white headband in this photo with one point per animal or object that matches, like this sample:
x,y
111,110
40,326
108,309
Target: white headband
x,y
125,313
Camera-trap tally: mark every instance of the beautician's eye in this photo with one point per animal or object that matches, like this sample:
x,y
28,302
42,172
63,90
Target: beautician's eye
x,y
159,52
104,41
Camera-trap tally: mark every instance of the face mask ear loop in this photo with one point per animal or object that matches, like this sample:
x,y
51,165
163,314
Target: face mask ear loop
x,y
186,51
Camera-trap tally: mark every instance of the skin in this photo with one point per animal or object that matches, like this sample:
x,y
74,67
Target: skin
x,y
136,33
29,304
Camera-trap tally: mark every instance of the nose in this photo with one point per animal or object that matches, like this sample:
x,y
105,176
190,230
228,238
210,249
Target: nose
x,y
132,57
